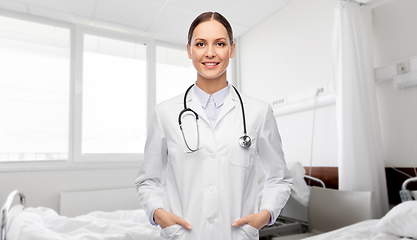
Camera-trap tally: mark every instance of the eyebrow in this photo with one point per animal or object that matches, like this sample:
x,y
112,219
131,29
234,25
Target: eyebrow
x,y
220,38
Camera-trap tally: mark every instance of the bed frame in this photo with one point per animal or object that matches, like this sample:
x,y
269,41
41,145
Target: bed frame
x,y
407,195
316,180
395,179
406,182
6,209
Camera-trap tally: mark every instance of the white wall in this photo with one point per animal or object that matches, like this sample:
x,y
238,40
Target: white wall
x,y
395,37
288,53
42,188
395,31
291,52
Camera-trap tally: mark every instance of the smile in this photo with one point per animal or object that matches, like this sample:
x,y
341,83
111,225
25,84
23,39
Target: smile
x,y
210,63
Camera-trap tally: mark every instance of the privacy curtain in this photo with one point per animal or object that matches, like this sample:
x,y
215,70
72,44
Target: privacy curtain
x,y
360,160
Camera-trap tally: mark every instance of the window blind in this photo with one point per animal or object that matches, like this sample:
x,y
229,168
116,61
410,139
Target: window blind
x,y
34,91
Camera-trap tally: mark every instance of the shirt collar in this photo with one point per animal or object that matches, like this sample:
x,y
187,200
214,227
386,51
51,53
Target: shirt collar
x,y
218,97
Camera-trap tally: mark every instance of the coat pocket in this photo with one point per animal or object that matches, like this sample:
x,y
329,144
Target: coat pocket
x,y
242,156
173,232
250,232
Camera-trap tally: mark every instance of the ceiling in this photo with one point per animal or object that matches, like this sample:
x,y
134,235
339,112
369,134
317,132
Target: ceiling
x,y
164,20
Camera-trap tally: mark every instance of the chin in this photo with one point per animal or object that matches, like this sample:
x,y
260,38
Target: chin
x,y
212,76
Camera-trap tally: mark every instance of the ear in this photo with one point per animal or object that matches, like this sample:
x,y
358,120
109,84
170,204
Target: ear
x,y
189,51
232,50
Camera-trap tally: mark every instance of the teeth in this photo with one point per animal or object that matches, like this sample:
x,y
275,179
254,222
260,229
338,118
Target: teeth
x,y
210,64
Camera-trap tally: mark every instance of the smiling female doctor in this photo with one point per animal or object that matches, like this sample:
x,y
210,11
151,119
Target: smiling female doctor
x,y
211,190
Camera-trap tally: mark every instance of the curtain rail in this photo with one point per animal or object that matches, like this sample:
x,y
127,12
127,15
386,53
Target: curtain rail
x,y
360,3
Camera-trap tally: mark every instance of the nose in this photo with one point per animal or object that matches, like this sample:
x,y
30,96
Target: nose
x,y
210,52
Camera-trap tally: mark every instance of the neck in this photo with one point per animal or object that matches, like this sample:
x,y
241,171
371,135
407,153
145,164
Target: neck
x,y
211,86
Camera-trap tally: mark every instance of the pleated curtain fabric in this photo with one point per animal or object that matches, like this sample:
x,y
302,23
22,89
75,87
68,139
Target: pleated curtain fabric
x,y
360,153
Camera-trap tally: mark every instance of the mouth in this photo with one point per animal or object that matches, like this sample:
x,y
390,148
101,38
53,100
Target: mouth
x,y
210,64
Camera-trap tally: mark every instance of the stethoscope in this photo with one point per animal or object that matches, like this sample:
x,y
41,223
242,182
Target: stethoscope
x,y
244,141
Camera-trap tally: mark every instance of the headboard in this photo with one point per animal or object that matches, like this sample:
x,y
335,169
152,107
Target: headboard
x,y
72,204
330,175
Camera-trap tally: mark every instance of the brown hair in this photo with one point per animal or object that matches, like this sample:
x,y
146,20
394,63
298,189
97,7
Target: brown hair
x,y
207,16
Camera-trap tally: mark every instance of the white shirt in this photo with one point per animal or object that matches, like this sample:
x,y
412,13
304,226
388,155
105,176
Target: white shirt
x,y
212,104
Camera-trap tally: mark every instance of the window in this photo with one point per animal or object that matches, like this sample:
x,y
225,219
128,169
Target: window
x,y
114,96
34,91
42,119
79,94
174,72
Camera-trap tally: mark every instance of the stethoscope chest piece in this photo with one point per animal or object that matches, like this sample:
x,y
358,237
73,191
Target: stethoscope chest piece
x,y
245,141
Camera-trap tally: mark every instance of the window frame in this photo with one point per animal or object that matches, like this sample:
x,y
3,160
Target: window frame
x,y
75,159
80,31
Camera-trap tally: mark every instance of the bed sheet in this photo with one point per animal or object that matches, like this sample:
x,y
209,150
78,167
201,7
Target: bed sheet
x,y
360,231
45,224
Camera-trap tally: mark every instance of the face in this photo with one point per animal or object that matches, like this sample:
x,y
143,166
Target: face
x,y
210,50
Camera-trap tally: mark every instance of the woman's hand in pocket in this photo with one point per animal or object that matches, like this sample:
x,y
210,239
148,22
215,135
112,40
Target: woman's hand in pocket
x,y
166,219
256,220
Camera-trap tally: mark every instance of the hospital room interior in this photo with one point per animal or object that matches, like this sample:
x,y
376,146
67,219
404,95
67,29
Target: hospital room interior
x,y
80,80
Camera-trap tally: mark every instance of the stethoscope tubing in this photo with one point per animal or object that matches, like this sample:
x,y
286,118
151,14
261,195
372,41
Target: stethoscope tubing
x,y
243,111
244,141
185,107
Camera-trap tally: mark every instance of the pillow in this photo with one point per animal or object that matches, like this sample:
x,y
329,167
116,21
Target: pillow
x,y
300,191
400,221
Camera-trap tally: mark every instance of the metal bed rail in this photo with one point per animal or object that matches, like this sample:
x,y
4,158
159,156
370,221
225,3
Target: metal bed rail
x,y
316,180
405,194
6,208
413,179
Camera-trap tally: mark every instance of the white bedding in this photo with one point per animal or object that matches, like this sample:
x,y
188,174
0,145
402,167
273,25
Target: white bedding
x,y
45,224
399,223
363,230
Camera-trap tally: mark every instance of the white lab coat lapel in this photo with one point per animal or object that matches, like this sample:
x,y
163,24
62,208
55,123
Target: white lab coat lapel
x,y
194,104
229,103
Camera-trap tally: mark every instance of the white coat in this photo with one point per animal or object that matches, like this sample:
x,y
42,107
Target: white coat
x,y
218,184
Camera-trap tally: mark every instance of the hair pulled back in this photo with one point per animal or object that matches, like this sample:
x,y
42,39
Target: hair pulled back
x,y
207,16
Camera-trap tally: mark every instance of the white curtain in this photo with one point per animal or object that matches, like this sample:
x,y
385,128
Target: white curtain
x,y
360,155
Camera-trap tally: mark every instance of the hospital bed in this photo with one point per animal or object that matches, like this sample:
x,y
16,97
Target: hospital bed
x,y
337,214
80,218
98,215
19,222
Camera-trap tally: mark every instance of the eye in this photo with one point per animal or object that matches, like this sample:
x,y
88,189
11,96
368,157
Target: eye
x,y
200,44
220,44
